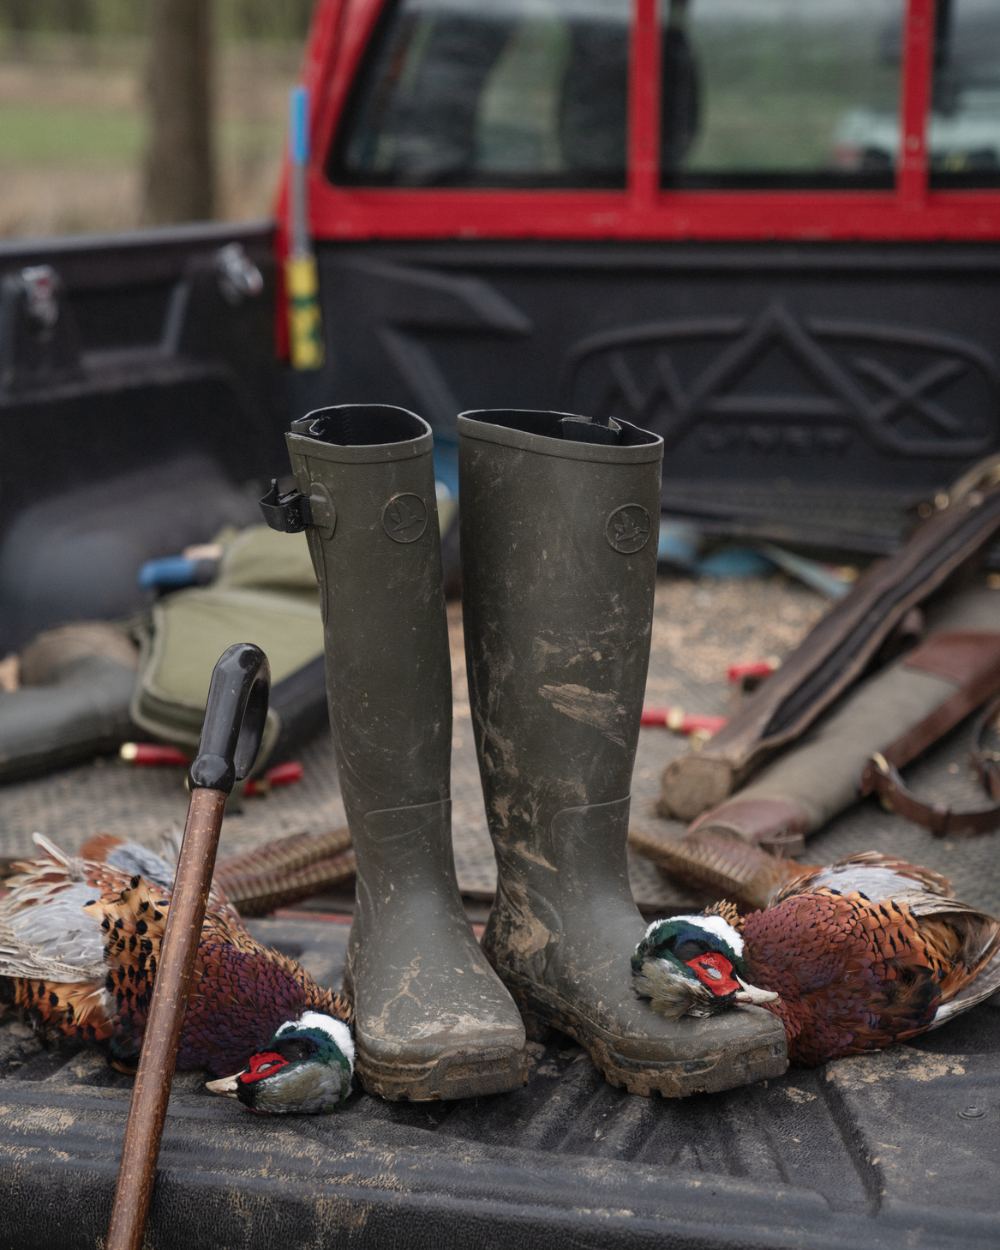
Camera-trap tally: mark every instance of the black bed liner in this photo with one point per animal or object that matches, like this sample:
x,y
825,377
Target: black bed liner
x,y
895,1149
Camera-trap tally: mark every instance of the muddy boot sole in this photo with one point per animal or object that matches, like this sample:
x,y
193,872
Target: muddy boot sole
x,y
461,1073
723,1065
465,1071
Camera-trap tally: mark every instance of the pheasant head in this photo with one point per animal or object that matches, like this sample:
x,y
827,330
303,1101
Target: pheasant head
x,y
306,1068
80,946
863,953
693,966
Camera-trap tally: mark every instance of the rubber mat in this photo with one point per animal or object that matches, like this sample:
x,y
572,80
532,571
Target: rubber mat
x,y
895,1150
700,628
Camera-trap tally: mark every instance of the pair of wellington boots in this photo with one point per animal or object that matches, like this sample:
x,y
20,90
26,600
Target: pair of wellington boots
x,y
558,529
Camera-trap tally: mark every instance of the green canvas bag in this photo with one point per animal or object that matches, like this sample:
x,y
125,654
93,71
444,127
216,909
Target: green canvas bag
x,y
265,593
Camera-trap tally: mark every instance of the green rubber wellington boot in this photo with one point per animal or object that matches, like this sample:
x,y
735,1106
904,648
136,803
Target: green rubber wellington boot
x,y
431,1018
559,520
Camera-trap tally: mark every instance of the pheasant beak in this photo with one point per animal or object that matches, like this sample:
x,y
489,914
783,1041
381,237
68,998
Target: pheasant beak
x,y
753,995
225,1085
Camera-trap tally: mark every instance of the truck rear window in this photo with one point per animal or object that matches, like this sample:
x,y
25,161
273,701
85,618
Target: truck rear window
x,y
533,93
754,95
464,93
781,93
964,129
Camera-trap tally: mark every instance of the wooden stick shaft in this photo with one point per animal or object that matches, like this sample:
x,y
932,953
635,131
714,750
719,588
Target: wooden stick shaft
x,y
151,1092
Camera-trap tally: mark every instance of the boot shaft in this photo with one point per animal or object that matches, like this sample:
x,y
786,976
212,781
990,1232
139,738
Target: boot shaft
x,y
559,566
559,535
431,1018
367,472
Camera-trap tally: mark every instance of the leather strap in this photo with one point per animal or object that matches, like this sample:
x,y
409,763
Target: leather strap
x,y
882,777
970,659
779,825
840,646
985,761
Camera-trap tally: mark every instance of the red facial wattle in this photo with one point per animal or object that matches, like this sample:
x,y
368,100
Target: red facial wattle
x,y
715,972
265,1064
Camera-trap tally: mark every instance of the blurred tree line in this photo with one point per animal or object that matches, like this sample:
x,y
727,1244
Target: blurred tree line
x,y
237,19
179,166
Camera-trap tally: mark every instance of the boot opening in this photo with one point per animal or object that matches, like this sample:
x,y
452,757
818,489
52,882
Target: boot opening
x,y
566,426
361,425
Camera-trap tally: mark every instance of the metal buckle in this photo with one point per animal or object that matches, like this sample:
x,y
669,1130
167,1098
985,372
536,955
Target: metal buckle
x,y
239,277
41,292
287,513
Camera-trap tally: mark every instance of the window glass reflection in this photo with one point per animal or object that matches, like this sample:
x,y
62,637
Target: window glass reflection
x,y
781,93
964,131
492,93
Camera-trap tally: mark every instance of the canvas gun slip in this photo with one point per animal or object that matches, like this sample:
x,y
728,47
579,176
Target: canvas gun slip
x,y
891,716
234,724
840,647
71,701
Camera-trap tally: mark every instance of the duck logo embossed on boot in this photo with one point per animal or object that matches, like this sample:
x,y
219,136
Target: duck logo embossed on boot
x,y
404,518
628,528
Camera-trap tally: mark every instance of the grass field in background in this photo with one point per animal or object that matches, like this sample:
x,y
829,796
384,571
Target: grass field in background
x,y
41,134
72,132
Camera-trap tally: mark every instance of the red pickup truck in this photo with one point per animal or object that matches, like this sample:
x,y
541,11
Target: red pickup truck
x,y
768,230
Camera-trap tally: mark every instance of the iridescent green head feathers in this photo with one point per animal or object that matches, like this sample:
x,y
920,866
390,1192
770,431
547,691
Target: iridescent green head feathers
x,y
693,965
306,1068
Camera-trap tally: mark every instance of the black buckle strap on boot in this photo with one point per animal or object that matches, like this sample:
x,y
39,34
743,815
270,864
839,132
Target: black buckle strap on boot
x,y
883,778
288,513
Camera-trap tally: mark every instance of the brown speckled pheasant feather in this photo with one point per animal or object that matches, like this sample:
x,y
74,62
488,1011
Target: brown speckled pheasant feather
x,y
867,952
79,943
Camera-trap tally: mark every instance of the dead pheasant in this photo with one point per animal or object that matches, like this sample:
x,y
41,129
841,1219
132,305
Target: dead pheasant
x,y
79,943
850,958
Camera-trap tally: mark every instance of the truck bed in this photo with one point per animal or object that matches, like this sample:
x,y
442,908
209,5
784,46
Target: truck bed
x,y
894,1149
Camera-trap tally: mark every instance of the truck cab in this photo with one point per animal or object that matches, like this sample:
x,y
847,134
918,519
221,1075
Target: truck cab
x,y
674,213
735,223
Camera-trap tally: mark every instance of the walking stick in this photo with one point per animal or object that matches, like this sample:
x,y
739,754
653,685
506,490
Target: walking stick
x,y
230,738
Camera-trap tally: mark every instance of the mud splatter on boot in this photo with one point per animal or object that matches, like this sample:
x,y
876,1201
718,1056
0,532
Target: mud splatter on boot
x,y
559,520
